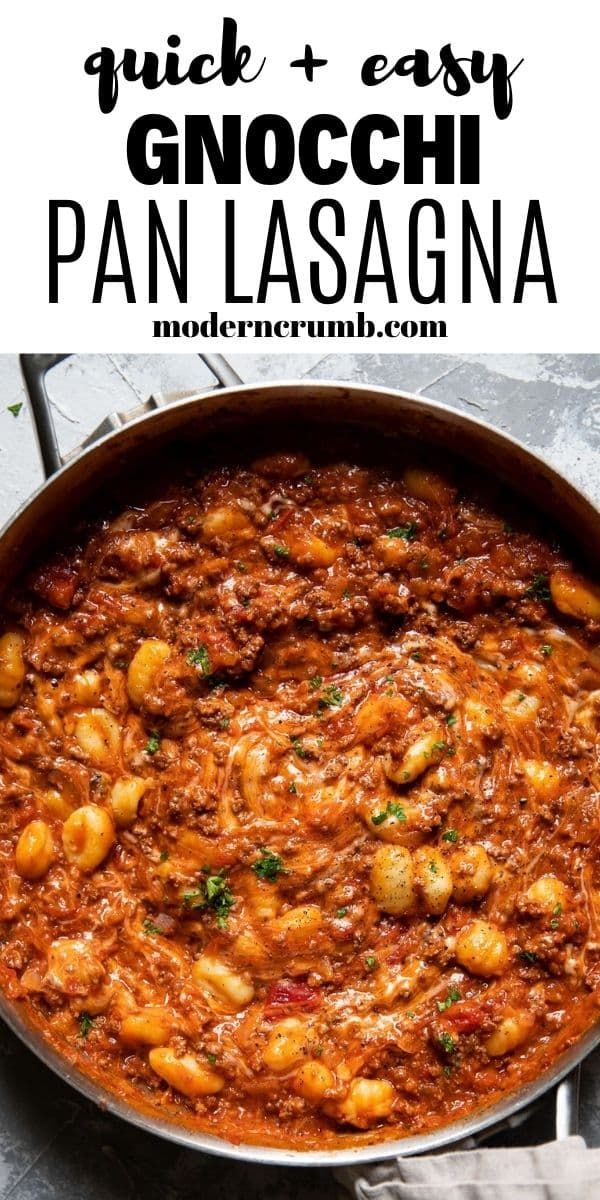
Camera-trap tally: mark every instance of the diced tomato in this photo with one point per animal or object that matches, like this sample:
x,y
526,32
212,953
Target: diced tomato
x,y
466,1018
57,584
290,993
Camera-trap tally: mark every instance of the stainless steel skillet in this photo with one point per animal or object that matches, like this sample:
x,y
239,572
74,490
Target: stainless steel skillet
x,y
119,443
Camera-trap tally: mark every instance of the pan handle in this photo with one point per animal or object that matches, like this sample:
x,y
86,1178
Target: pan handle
x,y
567,1105
34,368
221,369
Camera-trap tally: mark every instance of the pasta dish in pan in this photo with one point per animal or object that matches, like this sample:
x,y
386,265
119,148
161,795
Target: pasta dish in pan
x,y
299,790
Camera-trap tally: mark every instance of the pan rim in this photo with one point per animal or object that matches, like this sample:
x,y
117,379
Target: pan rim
x,y
87,448
436,1139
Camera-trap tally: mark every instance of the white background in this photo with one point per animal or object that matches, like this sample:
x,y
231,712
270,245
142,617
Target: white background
x,y
57,144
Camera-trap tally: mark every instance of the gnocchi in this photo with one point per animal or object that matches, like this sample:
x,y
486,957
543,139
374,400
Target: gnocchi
x,y
221,982
472,873
367,1101
481,948
426,751
548,893
393,881
185,1073
150,1026
12,669
543,777
98,735
511,1031
86,688
432,879
574,596
520,706
227,521
144,668
286,1045
125,798
35,850
298,925
427,485
88,836
313,1080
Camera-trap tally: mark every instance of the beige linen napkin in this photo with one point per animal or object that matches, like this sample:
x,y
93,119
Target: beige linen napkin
x,y
564,1170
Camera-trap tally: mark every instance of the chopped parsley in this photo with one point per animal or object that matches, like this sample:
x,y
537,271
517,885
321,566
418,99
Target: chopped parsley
x,y
332,698
86,1023
451,835
444,748
528,956
164,854
269,866
447,1070
341,912
281,550
406,532
451,719
346,594
293,789
433,867
451,998
216,683
538,588
547,649
200,658
520,697
14,408
391,810
153,744
242,568
298,748
447,1043
315,683
416,656
149,927
212,1058
214,893
556,915
371,962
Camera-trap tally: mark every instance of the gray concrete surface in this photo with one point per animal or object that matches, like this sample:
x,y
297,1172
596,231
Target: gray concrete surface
x,y
53,1144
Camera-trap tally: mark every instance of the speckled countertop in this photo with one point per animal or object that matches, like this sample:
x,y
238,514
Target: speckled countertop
x,y
53,1144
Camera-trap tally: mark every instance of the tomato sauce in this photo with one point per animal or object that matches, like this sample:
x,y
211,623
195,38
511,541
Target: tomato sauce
x,y
299,788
